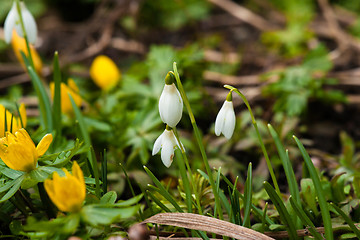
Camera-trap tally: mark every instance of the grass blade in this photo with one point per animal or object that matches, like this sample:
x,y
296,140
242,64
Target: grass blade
x,y
347,220
305,219
44,101
248,197
162,190
83,129
184,177
158,202
289,172
96,173
284,214
57,97
319,190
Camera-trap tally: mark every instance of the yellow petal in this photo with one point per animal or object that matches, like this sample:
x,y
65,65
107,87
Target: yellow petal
x,y
104,72
23,116
20,157
18,43
44,144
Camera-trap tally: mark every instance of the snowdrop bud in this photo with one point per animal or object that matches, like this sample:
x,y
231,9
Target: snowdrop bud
x,y
13,21
170,103
168,143
225,120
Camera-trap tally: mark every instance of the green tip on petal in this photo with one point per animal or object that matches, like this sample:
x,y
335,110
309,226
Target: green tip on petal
x,y
229,97
170,78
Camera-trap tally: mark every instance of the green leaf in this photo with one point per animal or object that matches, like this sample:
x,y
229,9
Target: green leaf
x,y
16,185
83,129
97,215
347,219
289,172
319,191
109,198
44,101
60,225
305,219
162,190
129,202
57,99
11,173
318,59
284,214
248,197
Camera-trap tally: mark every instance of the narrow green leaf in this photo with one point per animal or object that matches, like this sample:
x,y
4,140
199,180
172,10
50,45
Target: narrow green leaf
x,y
104,171
83,129
222,196
305,219
162,190
158,202
347,220
129,202
284,214
108,198
255,209
289,172
96,173
57,98
248,197
319,190
184,177
15,186
44,101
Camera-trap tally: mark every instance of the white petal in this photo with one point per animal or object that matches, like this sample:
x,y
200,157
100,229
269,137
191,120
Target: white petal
x,y
219,122
167,153
29,23
170,105
10,23
157,144
229,121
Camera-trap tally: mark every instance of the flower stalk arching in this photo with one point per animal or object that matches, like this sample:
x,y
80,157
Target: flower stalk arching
x,y
18,8
268,163
199,141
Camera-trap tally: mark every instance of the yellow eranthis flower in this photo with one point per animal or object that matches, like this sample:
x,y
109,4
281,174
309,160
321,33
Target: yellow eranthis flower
x,y
18,151
71,89
68,192
18,44
104,72
17,122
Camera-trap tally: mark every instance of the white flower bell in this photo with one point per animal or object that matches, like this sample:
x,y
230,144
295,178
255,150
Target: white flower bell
x,y
225,120
168,143
170,103
13,21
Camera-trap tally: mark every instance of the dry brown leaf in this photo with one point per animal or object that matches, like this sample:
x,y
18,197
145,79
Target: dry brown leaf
x,y
207,224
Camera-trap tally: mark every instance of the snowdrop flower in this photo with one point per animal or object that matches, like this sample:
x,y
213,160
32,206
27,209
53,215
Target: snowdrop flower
x,y
13,21
168,143
170,103
225,120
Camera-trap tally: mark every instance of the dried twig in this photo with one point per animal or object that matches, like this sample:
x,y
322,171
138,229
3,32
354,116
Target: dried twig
x,y
244,15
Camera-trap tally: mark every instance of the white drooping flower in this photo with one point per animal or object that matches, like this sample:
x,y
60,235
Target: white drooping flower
x,y
13,21
225,120
170,103
168,143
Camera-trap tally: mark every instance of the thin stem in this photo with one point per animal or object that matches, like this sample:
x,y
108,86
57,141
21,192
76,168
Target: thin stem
x,y
199,141
190,172
271,170
18,8
46,201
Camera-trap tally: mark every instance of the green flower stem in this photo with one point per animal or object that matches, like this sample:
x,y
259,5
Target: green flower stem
x,y
271,170
46,201
24,32
190,172
199,141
